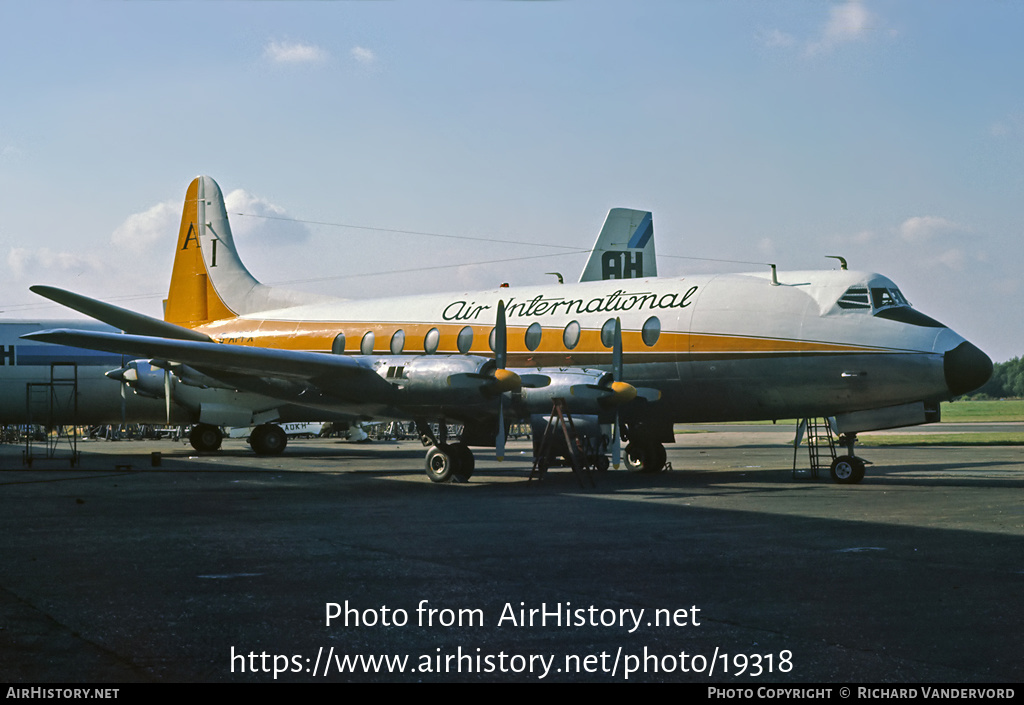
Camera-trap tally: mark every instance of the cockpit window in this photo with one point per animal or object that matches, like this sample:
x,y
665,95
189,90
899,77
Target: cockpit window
x,y
884,298
884,302
854,298
860,297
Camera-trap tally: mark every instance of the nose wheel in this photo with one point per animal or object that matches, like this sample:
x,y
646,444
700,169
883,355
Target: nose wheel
x,y
847,470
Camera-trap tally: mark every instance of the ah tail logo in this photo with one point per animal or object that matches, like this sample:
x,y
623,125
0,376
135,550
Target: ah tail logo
x,y
624,249
622,265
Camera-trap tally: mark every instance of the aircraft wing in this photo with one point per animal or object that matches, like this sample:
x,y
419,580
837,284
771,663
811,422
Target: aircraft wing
x,y
120,318
337,373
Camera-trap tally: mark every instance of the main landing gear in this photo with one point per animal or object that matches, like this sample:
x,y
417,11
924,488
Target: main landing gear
x,y
267,439
647,456
205,437
450,462
446,462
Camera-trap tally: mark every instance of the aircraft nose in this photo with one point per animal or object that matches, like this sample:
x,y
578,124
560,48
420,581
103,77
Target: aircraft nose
x,y
966,368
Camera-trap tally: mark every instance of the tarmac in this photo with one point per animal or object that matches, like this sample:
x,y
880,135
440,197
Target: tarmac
x,y
315,565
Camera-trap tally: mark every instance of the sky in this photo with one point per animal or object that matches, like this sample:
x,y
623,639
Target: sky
x,y
890,132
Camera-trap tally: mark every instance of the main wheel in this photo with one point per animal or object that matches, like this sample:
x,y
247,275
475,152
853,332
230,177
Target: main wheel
x,y
465,463
268,439
441,464
205,437
649,457
847,470
634,456
656,458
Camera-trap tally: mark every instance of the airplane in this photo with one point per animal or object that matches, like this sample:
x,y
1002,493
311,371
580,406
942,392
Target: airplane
x,y
36,378
641,354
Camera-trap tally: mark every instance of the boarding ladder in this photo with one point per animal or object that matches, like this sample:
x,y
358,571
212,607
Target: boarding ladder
x,y
821,445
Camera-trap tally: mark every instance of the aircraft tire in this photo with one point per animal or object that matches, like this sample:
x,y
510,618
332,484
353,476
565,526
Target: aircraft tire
x,y
465,463
268,439
847,470
205,437
440,464
634,456
656,458
649,457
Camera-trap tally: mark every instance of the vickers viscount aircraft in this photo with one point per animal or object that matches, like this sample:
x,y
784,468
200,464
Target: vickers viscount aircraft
x,y
642,354
54,385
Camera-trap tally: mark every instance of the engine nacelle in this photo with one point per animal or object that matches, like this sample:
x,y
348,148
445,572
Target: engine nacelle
x,y
141,377
443,379
585,391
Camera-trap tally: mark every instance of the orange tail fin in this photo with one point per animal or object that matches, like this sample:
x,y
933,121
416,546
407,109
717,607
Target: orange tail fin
x,y
192,299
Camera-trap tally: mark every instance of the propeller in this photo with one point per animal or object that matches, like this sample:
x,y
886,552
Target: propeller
x,y
166,366
501,375
167,394
617,382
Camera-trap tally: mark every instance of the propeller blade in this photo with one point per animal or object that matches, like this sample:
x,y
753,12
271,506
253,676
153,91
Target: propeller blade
x,y
504,379
499,440
616,443
617,352
616,385
501,338
167,394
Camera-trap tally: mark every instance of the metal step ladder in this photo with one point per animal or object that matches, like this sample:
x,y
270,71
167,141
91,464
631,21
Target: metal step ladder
x,y
56,400
560,418
821,445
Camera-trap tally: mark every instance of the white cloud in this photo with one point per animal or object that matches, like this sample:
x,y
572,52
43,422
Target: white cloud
x,y
923,228
294,53
363,55
253,218
774,38
155,226
848,22
952,259
24,262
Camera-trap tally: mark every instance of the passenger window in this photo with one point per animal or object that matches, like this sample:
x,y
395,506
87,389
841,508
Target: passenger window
x,y
651,331
366,344
608,333
431,340
465,339
338,346
398,342
571,335
533,337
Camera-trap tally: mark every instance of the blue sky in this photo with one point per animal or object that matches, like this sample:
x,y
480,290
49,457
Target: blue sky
x,y
888,132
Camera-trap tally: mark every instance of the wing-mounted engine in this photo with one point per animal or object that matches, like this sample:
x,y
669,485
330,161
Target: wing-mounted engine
x,y
445,380
585,391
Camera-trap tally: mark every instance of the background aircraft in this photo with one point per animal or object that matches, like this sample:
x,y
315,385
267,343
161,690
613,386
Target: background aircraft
x,y
644,354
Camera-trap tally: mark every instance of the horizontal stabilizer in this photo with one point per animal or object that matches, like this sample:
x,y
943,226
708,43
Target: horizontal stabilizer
x,y
120,318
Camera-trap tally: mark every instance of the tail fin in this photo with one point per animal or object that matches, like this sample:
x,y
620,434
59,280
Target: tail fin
x,y
624,249
209,281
